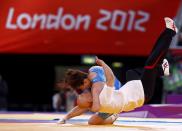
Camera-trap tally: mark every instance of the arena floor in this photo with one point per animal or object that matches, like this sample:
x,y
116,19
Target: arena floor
x,y
47,122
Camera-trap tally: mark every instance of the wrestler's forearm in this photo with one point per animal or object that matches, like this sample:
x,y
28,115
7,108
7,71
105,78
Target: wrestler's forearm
x,y
76,111
108,72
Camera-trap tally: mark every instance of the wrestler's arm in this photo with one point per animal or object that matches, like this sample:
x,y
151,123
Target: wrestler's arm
x,y
76,111
96,89
108,72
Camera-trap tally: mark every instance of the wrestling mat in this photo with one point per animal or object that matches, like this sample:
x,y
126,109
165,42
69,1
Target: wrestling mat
x,y
19,121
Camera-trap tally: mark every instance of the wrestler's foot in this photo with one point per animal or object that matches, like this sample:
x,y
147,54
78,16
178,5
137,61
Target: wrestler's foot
x,y
114,117
165,67
61,121
170,24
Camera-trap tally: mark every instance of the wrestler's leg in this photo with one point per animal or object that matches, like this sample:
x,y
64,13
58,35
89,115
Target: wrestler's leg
x,y
157,55
135,74
102,119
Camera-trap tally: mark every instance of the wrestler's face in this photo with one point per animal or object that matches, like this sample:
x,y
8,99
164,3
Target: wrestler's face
x,y
86,84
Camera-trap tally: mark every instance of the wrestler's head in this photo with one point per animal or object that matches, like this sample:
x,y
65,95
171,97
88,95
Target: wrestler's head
x,y
84,100
77,79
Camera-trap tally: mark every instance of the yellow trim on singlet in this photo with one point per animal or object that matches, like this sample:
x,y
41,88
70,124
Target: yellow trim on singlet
x,y
132,105
127,107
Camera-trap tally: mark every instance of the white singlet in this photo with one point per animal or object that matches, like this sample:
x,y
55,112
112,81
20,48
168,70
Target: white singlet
x,y
127,98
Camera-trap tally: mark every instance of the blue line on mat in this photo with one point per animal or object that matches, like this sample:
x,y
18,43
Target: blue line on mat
x,y
79,120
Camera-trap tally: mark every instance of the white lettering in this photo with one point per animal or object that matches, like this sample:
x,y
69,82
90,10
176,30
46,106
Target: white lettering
x,y
116,14
9,25
57,21
37,19
23,25
144,19
83,19
105,18
131,20
117,20
69,18
53,20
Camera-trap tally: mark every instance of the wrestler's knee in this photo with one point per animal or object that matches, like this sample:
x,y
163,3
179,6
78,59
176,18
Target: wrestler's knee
x,y
95,120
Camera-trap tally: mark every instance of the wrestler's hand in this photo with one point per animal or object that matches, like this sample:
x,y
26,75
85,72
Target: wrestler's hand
x,y
61,121
99,61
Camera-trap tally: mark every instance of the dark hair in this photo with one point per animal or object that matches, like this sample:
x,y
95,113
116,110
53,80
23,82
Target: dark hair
x,y
75,78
